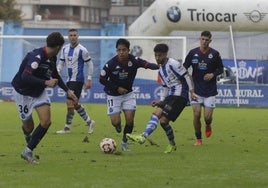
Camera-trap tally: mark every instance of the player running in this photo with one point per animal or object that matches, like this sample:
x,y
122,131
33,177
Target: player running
x,y
206,64
117,76
36,72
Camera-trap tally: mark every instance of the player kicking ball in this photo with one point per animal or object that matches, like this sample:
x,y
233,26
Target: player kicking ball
x,y
176,84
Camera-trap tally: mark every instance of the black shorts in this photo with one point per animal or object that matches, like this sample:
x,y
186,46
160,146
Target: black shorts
x,y
172,106
76,87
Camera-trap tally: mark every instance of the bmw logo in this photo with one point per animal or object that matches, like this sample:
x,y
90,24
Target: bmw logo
x,y
174,14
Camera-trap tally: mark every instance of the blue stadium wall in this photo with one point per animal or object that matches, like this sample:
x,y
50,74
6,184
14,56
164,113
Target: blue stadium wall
x,y
253,75
13,50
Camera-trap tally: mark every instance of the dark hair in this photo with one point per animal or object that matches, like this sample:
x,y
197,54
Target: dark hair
x,y
206,34
122,42
55,39
161,48
72,29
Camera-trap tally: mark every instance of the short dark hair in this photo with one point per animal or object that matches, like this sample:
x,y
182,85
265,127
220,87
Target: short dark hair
x,y
206,34
72,29
122,42
163,48
55,39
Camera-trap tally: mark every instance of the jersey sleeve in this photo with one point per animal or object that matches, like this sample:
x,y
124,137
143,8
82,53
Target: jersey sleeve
x,y
90,70
61,62
85,55
87,59
28,72
178,68
188,60
219,68
104,78
143,63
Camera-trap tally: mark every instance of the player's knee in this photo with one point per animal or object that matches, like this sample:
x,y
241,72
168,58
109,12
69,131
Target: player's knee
x,y
46,124
164,122
77,106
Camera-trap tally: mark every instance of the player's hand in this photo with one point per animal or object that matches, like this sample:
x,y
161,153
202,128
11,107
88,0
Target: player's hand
x,y
193,96
208,76
72,96
122,90
52,82
87,85
156,103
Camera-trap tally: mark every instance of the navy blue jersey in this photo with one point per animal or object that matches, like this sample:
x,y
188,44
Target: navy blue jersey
x,y
34,70
203,63
115,74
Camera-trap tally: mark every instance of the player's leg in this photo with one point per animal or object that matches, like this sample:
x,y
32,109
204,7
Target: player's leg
x,y
197,123
197,108
70,109
116,122
42,106
113,110
177,105
77,88
164,122
84,115
25,108
27,153
129,119
69,117
149,129
129,108
27,128
43,113
209,105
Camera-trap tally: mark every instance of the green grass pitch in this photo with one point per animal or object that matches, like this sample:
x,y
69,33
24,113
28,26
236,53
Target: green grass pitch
x,y
236,155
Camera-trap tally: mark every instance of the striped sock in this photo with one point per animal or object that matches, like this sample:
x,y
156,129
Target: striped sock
x,y
151,125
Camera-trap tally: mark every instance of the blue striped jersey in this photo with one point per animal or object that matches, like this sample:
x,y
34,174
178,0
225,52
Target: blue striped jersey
x,y
75,58
172,77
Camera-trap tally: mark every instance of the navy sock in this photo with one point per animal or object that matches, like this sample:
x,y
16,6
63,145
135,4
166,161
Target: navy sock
x,y
69,118
37,136
82,112
118,128
127,129
198,135
169,132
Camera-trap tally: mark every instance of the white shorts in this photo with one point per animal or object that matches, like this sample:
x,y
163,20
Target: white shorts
x,y
208,102
115,104
26,104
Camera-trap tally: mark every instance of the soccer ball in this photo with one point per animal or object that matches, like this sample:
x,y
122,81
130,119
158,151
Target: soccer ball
x,y
108,145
